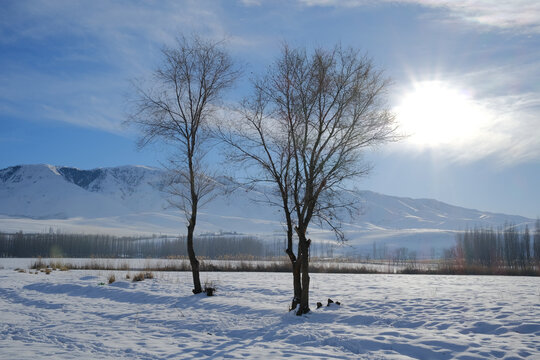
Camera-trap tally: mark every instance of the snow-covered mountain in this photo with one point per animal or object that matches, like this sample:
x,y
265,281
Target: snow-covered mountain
x,y
126,200
53,192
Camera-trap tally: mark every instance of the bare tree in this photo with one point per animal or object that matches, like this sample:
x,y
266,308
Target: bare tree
x,y
305,127
177,109
536,242
526,238
256,138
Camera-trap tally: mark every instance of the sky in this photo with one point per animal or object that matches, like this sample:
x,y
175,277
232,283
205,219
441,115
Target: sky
x,y
465,83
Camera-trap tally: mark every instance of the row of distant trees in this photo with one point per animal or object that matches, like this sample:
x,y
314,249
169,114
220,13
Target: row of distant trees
x,y
503,248
107,246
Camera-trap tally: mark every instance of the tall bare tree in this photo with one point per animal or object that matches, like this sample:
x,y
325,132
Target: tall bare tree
x,y
177,109
256,139
305,127
536,242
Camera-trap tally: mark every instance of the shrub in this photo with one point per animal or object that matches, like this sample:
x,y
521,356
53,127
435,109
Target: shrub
x,y
111,278
38,264
209,288
143,275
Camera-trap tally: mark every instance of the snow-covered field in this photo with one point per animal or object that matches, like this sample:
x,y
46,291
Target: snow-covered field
x,y
70,315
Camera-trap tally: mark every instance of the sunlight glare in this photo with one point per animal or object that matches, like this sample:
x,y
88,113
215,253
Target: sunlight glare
x,y
434,114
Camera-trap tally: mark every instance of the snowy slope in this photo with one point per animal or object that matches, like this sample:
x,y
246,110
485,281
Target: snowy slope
x,y
399,212
126,200
41,191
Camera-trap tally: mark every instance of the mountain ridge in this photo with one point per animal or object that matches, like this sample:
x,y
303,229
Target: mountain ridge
x,y
125,199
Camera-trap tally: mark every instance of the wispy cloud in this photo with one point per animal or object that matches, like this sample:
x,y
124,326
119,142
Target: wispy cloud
x,y
93,49
114,21
520,15
251,2
492,123
516,15
513,102
87,100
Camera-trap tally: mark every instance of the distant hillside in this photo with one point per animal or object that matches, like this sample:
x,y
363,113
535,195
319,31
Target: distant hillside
x,y
126,200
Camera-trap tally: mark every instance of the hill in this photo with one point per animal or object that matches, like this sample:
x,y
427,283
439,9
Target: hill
x,y
127,200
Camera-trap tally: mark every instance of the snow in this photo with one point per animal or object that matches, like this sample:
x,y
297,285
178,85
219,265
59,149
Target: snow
x,y
69,315
54,170
37,191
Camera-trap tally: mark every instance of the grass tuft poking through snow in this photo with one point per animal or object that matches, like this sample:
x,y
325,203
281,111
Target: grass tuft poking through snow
x,y
143,275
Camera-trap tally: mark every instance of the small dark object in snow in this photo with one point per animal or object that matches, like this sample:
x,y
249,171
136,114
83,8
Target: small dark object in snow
x,y
209,291
338,303
330,301
319,305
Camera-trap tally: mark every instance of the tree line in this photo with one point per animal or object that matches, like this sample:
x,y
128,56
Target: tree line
x,y
106,246
505,248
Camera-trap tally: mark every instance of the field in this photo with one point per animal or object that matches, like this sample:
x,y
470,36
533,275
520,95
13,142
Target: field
x,y
77,314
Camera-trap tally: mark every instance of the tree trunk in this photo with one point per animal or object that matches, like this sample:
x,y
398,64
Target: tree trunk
x,y
297,285
304,265
295,266
197,289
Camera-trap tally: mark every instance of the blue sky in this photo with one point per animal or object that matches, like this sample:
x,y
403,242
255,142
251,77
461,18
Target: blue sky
x,y
466,82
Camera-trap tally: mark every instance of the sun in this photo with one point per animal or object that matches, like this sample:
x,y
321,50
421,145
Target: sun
x,y
434,114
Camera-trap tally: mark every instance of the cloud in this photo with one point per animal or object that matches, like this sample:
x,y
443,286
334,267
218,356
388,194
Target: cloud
x,y
71,61
513,101
251,2
86,100
114,21
90,119
520,15
516,15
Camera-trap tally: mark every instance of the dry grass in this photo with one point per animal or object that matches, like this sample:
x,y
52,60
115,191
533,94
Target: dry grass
x,y
282,265
472,270
143,275
38,264
111,278
205,266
